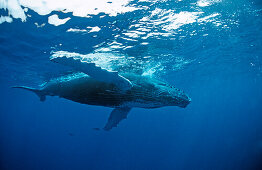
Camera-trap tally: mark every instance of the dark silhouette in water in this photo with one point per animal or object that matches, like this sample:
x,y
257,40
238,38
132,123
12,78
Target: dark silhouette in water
x,y
96,86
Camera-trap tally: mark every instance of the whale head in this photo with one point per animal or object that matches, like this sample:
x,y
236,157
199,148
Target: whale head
x,y
156,93
171,96
179,97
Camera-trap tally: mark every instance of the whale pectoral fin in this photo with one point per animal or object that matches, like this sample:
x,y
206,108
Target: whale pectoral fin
x,y
94,71
38,92
116,116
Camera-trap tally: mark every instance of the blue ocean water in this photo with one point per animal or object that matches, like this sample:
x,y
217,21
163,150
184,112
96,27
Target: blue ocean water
x,y
210,49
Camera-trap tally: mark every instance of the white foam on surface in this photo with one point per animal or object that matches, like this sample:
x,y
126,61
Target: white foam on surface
x,y
76,30
80,8
94,29
180,19
39,25
5,19
169,23
205,3
54,20
14,9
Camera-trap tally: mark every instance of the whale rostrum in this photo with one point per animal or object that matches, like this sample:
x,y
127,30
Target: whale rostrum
x,y
93,85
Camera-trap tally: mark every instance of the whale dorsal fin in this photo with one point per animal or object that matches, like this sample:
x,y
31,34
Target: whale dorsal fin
x,y
116,116
94,71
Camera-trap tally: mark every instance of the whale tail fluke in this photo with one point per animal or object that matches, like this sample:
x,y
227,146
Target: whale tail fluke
x,y
38,92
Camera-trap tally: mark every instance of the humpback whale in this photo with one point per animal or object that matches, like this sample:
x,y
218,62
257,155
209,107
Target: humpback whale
x,y
93,85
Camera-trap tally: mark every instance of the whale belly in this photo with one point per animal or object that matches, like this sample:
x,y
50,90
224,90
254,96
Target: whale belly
x,y
142,104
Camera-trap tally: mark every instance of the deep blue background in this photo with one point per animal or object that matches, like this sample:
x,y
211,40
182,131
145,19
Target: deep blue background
x,y
220,129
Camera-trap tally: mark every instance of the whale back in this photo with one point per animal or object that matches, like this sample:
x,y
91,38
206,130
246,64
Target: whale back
x,y
82,88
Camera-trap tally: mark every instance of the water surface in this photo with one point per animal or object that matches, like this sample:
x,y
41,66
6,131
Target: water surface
x,y
211,49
